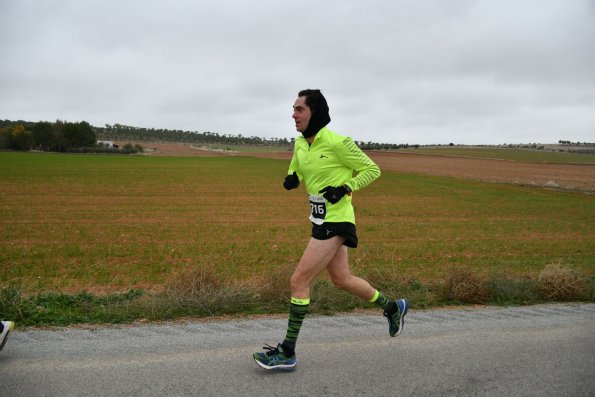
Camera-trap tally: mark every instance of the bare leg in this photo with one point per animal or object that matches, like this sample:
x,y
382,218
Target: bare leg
x,y
338,269
316,257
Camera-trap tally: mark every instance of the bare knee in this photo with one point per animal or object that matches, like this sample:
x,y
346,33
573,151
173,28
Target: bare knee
x,y
299,283
294,281
341,282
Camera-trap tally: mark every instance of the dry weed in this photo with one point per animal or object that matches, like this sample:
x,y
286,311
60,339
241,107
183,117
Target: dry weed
x,y
557,282
273,285
463,285
195,281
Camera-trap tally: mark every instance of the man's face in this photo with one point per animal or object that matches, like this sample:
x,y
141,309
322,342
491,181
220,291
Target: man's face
x,y
301,114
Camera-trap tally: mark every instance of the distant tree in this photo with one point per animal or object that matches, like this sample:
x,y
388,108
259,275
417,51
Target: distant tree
x,y
70,134
87,134
43,134
78,135
22,138
128,148
58,142
6,138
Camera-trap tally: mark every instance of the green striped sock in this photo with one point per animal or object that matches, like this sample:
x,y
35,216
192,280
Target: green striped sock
x,y
297,312
380,300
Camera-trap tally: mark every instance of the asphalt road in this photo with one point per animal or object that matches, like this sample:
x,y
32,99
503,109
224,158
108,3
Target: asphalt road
x,y
545,350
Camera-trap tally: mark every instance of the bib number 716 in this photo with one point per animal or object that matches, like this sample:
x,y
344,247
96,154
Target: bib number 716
x,y
317,209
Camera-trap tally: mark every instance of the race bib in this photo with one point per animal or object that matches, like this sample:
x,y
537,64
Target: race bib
x,y
318,209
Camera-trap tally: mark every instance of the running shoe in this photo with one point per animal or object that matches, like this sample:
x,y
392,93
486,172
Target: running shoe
x,y
396,316
274,358
7,326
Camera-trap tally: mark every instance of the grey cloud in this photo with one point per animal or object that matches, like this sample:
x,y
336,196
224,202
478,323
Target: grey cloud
x,y
468,71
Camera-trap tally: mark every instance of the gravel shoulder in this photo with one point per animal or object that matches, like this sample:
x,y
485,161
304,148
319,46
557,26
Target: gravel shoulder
x,y
544,350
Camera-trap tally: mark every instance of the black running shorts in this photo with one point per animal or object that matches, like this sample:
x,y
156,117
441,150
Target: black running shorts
x,y
331,229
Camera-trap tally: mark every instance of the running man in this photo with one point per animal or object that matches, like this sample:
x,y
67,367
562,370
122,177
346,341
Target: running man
x,y
326,161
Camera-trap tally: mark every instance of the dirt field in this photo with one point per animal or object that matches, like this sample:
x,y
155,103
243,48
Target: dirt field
x,y
173,149
563,176
558,176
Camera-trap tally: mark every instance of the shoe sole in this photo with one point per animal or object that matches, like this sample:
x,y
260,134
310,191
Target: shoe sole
x,y
10,326
280,367
403,313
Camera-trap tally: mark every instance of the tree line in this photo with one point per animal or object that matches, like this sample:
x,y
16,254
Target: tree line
x,y
64,136
61,136
561,142
119,132
57,137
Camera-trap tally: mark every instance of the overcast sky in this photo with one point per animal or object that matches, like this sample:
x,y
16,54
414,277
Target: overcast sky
x,y
398,71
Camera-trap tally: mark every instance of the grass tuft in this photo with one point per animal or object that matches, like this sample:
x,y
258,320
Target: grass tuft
x,y
559,283
199,290
195,281
465,286
52,308
513,291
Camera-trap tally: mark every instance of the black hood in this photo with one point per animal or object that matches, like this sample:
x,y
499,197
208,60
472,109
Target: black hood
x,y
320,117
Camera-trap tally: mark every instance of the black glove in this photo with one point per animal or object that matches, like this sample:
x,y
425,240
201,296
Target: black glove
x,y
334,194
291,181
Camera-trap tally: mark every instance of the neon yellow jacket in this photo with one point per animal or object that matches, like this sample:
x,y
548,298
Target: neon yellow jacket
x,y
331,161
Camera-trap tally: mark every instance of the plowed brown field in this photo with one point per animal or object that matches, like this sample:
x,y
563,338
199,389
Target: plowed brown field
x,y
565,176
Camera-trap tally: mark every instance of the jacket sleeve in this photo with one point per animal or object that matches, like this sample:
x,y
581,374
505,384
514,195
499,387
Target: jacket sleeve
x,y
353,157
294,166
